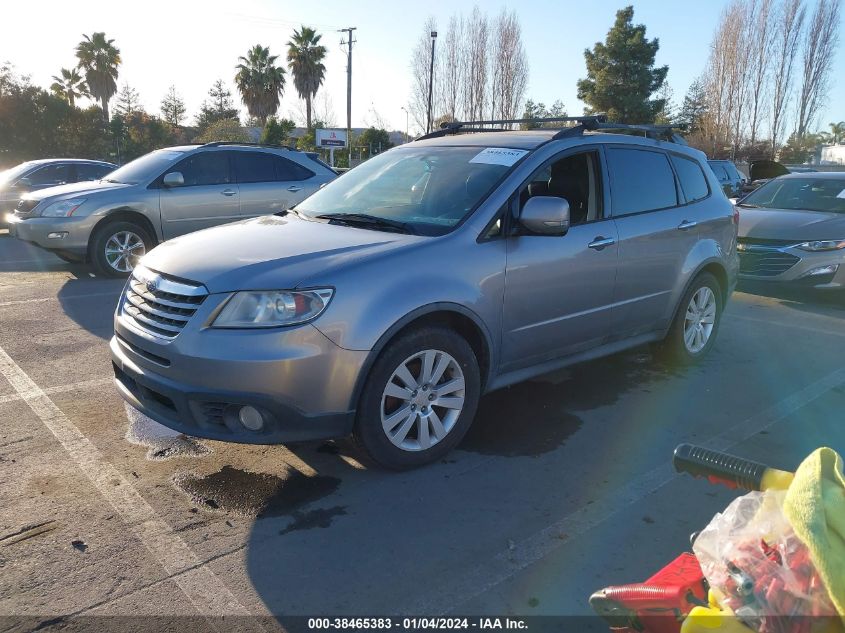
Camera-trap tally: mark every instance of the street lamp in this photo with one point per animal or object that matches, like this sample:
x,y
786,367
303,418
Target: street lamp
x,y
407,138
431,80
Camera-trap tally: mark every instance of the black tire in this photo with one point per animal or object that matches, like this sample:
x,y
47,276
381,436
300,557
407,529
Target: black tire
x,y
101,237
369,432
674,348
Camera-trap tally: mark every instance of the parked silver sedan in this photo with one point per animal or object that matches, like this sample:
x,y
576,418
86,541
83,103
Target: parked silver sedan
x,y
792,231
113,222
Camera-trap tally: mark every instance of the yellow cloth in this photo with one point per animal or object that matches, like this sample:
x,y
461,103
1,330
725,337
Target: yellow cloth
x,y
815,507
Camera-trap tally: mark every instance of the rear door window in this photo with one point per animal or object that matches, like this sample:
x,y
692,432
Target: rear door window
x,y
720,172
50,175
640,180
287,170
693,182
85,172
254,167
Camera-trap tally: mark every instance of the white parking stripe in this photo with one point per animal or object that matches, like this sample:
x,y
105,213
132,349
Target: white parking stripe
x,y
200,585
790,326
74,386
449,596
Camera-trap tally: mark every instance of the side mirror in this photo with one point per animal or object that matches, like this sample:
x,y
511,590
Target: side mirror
x,y
546,215
24,184
174,179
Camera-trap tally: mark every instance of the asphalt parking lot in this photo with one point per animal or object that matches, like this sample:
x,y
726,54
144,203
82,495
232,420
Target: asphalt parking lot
x,y
562,486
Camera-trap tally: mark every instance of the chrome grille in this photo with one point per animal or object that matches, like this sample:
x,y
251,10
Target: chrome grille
x,y
160,305
765,261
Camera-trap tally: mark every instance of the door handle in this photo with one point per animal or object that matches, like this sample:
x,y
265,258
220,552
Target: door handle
x,y
600,242
686,224
228,192
294,188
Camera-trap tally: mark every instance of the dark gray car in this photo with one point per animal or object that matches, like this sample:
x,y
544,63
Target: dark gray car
x,y
387,303
166,193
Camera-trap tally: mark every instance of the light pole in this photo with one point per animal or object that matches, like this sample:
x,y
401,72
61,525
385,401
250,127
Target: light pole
x,y
407,138
431,80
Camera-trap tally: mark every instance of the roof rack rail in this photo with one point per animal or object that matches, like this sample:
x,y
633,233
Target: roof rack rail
x,y
657,132
455,127
218,143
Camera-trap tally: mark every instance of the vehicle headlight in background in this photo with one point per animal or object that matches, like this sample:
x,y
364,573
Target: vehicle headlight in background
x,y
822,245
62,209
272,308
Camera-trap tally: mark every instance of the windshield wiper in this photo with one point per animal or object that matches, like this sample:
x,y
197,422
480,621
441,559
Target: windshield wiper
x,y
748,206
368,221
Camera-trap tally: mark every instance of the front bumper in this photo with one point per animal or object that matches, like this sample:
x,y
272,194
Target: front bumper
x,y
301,382
794,267
55,234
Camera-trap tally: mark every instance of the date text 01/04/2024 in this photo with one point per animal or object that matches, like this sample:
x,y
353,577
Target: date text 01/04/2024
x,y
417,624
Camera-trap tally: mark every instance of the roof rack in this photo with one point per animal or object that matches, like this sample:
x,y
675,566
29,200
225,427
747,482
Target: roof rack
x,y
587,123
218,143
455,127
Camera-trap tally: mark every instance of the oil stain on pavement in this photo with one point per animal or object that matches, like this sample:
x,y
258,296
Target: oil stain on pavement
x,y
252,494
163,442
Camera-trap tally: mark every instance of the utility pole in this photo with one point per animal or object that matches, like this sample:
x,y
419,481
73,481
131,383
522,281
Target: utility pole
x,y
348,41
430,81
407,138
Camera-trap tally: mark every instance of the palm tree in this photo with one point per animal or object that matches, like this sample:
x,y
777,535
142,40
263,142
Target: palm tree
x,y
260,82
99,59
69,86
305,60
837,132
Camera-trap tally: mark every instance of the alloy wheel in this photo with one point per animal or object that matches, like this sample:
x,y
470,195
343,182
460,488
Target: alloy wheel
x,y
123,250
422,400
699,320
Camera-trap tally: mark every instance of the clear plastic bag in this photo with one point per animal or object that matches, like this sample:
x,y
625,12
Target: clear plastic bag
x,y
751,556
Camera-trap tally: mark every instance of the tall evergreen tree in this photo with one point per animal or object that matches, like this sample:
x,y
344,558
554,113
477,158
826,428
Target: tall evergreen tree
x,y
218,107
621,76
694,107
173,107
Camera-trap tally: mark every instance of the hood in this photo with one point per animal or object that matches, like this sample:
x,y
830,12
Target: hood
x,y
267,253
781,224
74,189
760,169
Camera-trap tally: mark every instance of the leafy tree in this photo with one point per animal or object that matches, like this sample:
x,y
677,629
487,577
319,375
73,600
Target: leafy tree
x,y
799,149
836,134
276,131
128,101
376,140
308,141
224,130
260,82
621,76
217,108
540,111
99,59
138,133
69,85
305,60
173,107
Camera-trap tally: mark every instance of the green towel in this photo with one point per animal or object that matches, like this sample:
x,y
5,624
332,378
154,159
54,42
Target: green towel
x,y
815,507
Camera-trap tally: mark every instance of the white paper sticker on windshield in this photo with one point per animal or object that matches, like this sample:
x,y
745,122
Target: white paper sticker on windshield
x,y
841,194
499,156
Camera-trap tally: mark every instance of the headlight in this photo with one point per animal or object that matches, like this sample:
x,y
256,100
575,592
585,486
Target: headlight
x,y
62,209
272,308
822,245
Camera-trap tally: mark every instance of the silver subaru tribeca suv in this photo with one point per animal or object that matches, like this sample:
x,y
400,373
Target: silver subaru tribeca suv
x,y
113,222
388,302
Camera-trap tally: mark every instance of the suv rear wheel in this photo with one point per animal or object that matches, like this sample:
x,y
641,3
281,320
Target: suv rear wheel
x,y
694,329
117,246
419,399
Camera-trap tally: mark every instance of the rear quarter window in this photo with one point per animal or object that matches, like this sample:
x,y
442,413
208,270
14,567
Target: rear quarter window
x,y
640,180
693,181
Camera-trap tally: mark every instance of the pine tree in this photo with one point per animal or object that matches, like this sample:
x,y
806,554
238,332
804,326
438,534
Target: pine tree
x,y
621,76
128,101
173,107
694,107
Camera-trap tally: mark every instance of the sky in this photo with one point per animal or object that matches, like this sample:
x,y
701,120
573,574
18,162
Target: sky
x,y
190,44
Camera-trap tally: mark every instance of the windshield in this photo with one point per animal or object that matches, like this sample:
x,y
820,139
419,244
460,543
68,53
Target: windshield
x,y
428,189
800,194
11,174
145,168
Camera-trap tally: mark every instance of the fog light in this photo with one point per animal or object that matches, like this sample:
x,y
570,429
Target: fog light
x,y
58,235
822,270
251,418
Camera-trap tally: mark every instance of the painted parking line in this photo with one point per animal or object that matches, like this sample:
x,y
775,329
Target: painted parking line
x,y
450,595
113,293
49,391
790,326
201,586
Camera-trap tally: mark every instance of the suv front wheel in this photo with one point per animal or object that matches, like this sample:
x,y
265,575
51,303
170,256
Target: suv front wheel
x,y
117,246
419,399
